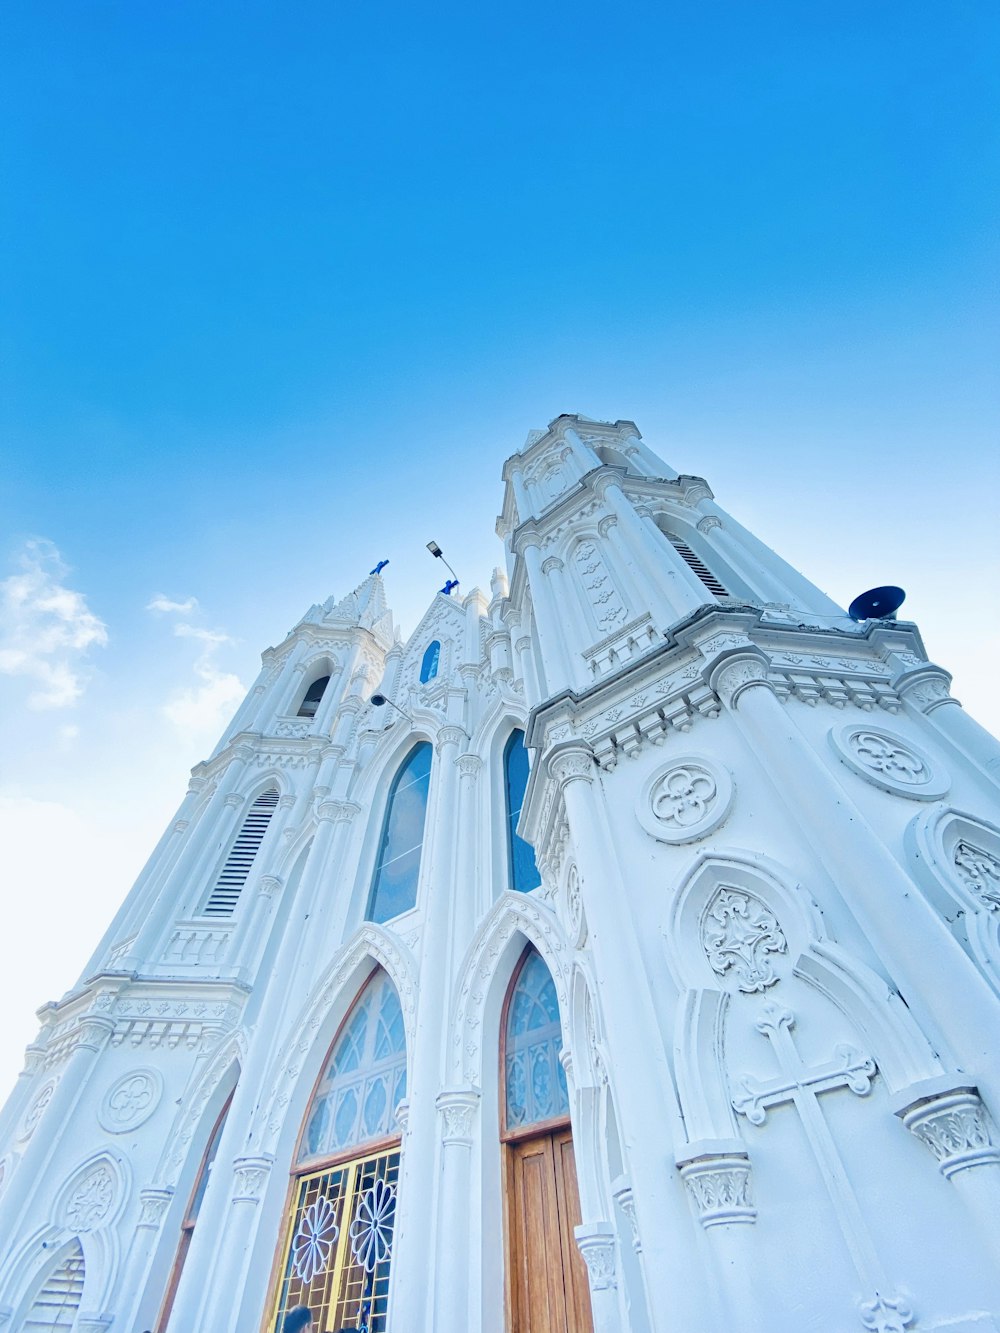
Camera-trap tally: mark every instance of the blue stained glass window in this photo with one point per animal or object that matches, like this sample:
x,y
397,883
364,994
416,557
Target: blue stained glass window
x,y
352,1104
534,1079
523,874
394,889
432,660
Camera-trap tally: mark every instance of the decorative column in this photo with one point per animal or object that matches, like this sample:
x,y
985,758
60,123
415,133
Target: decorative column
x,y
953,1004
257,897
419,1183
926,690
596,1242
651,553
232,1249
455,1229
955,1126
547,617
717,1177
50,1116
628,1009
153,1206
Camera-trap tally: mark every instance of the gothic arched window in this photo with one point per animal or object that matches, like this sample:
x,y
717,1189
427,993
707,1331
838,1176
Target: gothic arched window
x,y
58,1301
522,871
233,875
313,695
337,1249
394,888
431,661
535,1088
193,1209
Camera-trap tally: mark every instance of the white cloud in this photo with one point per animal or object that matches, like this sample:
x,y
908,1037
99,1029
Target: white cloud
x,y
201,711
168,607
46,629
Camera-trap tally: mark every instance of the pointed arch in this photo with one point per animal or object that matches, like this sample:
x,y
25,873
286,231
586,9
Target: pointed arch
x,y
955,857
224,896
315,1026
203,1098
486,969
57,1298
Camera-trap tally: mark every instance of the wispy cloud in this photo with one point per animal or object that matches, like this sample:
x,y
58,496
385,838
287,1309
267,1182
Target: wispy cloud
x,y
200,710
46,629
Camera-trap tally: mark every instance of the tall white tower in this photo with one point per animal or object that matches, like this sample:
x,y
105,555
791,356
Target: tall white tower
x,y
634,967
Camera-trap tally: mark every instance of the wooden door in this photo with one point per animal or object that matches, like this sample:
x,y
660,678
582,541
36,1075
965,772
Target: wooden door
x,y
547,1290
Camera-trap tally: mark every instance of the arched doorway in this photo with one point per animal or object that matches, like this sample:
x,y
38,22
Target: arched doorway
x,y
337,1247
546,1280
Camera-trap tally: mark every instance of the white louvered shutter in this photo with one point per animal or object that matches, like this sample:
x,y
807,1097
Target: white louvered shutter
x,y
56,1304
698,567
233,875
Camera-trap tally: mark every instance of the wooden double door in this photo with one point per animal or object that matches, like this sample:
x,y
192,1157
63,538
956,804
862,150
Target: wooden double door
x,y
547,1289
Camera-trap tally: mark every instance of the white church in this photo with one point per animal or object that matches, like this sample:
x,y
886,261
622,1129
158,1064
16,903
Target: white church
x,y
618,954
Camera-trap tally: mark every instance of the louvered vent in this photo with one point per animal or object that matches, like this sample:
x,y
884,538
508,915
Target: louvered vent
x,y
56,1304
698,567
225,895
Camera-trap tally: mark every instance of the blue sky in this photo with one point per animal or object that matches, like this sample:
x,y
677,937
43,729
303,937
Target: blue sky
x,y
282,285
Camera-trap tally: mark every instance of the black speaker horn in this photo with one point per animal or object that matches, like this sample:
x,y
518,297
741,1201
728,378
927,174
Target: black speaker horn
x,y
877,604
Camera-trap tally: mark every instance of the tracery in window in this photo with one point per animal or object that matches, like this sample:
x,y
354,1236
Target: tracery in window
x,y
394,887
431,661
339,1235
522,870
534,1080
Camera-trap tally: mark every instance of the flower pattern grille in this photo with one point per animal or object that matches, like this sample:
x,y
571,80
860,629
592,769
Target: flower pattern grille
x,y
739,933
312,1247
371,1230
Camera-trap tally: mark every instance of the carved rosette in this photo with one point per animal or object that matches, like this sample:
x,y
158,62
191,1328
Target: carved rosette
x,y
596,1243
889,761
685,800
719,1186
130,1101
458,1108
956,1127
739,933
153,1205
250,1177
979,871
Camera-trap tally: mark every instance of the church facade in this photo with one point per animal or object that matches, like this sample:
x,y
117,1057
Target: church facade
x,y
620,952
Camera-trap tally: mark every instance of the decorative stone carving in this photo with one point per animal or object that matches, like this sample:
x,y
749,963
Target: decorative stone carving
x,y
574,908
955,1127
153,1205
36,1110
596,1243
621,1190
608,608
709,522
449,735
685,800
737,675
889,762
457,1107
130,1101
980,872
269,885
250,1177
738,933
886,1314
849,1067
234,800
571,764
91,1200
719,1186
469,765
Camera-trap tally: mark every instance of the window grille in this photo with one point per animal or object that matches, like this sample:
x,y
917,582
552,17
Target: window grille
x,y
698,566
226,893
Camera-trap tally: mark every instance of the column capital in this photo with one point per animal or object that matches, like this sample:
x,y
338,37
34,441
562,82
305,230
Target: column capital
x,y
458,1108
596,1243
551,562
572,762
234,800
731,676
153,1206
621,1192
469,765
93,1033
955,1126
718,1180
250,1177
449,735
926,687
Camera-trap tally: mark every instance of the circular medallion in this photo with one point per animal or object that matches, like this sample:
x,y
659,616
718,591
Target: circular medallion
x,y
685,800
130,1100
889,762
